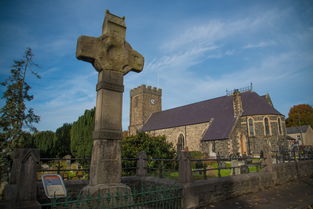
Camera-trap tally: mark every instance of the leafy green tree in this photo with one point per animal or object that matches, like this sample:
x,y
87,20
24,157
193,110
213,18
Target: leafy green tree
x,y
299,115
15,117
154,146
81,135
44,141
62,141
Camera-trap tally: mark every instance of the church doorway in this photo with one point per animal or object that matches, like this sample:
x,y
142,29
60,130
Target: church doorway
x,y
242,141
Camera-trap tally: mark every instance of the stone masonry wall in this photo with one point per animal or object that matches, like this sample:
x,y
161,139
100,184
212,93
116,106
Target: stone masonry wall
x,y
192,134
257,142
201,193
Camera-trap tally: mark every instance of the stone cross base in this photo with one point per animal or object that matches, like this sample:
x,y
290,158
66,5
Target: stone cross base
x,y
108,195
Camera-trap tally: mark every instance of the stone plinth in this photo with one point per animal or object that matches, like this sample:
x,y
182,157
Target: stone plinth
x,y
120,194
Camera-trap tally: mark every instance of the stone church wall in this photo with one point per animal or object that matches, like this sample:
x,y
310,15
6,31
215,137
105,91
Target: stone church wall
x,y
192,134
258,141
221,147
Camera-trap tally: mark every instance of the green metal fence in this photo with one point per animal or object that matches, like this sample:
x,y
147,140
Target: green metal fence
x,y
140,197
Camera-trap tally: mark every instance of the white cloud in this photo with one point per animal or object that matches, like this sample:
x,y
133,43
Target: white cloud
x,y
63,101
210,32
259,45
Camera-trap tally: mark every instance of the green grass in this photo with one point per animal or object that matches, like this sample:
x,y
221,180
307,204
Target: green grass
x,y
173,174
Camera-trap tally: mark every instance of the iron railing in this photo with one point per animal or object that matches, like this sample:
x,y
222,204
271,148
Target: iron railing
x,y
298,154
168,168
62,166
220,167
145,196
162,168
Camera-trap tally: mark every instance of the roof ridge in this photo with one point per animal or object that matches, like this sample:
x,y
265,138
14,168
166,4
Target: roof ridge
x,y
191,104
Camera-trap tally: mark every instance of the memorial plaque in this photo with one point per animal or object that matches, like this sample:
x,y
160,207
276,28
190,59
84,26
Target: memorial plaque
x,y
53,185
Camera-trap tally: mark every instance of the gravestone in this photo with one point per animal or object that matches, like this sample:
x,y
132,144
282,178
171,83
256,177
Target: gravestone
x,y
268,162
236,164
22,190
141,164
113,58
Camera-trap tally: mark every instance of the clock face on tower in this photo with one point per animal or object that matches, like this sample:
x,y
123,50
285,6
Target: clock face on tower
x,y
152,101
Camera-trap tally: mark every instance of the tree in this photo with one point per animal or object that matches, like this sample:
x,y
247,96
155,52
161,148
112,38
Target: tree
x,y
154,146
16,118
62,141
81,135
44,141
299,115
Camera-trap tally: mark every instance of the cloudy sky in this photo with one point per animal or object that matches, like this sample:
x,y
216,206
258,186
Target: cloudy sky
x,y
194,50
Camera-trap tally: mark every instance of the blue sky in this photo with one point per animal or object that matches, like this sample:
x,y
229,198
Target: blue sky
x,y
194,50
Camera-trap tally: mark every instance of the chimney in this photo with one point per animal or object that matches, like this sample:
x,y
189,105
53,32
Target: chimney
x,y
237,103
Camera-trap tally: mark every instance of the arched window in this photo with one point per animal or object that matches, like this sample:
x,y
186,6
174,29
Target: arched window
x,y
267,127
251,127
279,126
213,147
181,142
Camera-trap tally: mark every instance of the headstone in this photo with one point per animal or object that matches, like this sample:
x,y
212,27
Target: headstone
x,y
141,164
112,57
236,164
268,162
22,191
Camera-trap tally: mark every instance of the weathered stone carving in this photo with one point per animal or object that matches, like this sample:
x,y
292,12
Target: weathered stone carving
x,y
110,51
112,57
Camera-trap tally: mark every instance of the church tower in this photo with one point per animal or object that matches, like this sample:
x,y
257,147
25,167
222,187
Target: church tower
x,y
144,100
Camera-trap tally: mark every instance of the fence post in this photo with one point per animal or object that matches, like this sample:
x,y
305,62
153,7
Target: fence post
x,y
184,168
161,167
218,165
141,169
204,170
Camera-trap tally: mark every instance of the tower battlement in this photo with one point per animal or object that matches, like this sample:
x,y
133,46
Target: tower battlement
x,y
145,89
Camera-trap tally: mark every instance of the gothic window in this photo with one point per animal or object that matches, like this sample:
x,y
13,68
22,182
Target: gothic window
x,y
279,126
251,127
181,142
267,127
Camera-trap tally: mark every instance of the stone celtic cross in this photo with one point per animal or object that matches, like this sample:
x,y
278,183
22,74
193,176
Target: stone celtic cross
x,y
112,57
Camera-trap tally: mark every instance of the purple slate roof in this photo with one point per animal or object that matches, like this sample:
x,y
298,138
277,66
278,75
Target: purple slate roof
x,y
220,110
253,104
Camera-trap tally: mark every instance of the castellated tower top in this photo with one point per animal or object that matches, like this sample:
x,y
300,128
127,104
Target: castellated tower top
x,y
146,89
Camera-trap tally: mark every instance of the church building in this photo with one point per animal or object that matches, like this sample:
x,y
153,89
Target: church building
x,y
239,123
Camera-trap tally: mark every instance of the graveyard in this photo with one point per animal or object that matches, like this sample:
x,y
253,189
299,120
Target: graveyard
x,y
250,155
